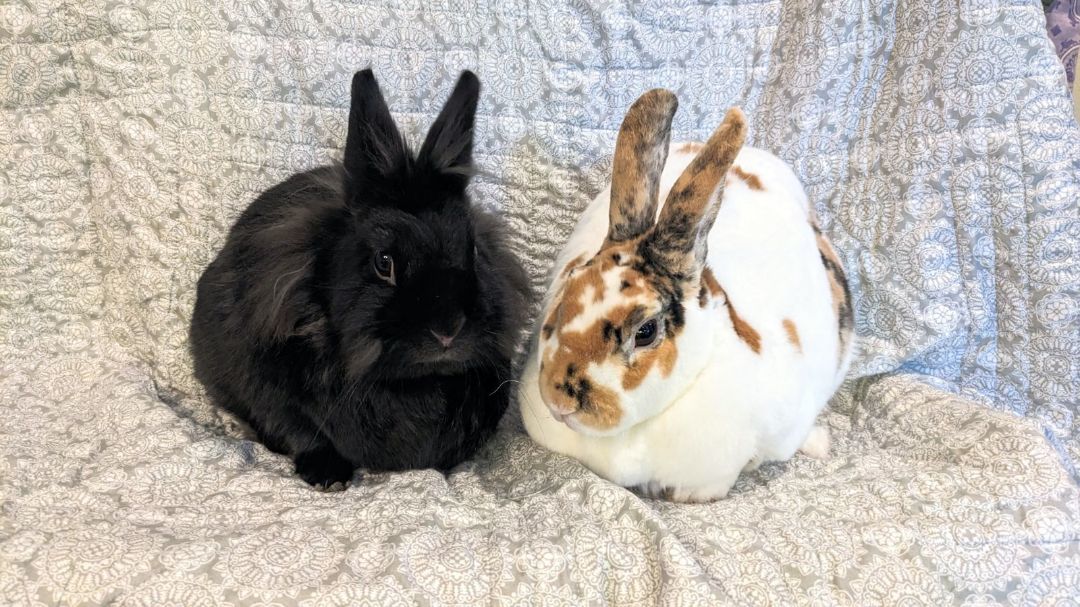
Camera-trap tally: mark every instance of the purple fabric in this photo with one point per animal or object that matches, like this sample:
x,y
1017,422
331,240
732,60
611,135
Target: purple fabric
x,y
1063,25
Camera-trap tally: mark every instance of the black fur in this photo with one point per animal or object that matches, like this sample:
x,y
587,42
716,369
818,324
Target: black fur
x,y
296,333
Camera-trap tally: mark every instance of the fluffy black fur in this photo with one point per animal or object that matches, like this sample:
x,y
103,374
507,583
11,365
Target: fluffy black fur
x,y
295,332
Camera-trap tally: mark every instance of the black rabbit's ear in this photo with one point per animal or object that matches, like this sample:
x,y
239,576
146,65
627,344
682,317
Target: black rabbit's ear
x,y
374,149
448,145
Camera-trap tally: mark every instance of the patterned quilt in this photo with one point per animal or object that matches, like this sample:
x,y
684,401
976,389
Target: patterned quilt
x,y
935,139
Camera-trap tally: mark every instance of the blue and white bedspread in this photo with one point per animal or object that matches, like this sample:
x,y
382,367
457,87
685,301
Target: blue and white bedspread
x,y
935,138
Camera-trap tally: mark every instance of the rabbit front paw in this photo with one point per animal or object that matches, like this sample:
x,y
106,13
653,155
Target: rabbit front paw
x,y
324,469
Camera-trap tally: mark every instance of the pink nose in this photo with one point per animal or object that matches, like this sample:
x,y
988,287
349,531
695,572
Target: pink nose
x,y
445,340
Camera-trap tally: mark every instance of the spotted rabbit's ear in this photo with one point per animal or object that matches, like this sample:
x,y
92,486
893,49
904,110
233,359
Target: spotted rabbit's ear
x,y
640,153
679,241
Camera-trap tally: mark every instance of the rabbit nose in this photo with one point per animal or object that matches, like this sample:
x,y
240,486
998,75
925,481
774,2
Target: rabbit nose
x,y
447,338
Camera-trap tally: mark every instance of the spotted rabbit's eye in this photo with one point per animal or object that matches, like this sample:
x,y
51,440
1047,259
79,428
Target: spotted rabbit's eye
x,y
384,266
646,333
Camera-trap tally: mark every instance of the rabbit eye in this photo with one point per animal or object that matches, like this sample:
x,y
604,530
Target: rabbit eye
x,y
384,266
646,333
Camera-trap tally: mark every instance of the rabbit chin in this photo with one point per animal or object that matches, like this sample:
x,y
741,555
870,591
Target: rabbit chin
x,y
405,360
576,421
576,425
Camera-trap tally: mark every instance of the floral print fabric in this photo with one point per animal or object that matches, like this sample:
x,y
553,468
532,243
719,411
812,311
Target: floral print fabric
x,y
934,139
1063,26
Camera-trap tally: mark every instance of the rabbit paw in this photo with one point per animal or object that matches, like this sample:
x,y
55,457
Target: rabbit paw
x,y
324,469
817,443
682,495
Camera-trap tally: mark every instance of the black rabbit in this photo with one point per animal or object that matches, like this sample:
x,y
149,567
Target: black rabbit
x,y
364,315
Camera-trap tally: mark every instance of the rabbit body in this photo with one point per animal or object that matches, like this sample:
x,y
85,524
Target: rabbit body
x,y
766,344
363,315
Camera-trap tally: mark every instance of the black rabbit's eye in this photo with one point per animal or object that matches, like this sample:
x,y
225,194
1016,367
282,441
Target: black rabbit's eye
x,y
646,334
384,266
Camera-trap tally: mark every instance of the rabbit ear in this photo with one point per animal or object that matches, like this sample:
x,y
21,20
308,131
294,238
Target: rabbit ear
x,y
640,153
679,241
448,145
374,148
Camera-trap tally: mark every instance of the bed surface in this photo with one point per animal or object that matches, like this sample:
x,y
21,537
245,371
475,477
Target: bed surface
x,y
936,141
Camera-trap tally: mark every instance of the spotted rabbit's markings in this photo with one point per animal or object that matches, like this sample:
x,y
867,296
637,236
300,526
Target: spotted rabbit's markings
x,y
548,327
710,288
748,334
640,153
662,356
693,189
576,293
601,304
841,295
792,334
575,262
564,380
677,243
751,179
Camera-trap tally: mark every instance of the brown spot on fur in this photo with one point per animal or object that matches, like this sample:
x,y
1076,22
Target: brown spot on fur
x,y
589,345
594,404
603,410
690,147
841,295
691,207
550,321
565,384
742,328
575,262
640,153
616,254
710,288
662,356
792,334
590,277
564,380
745,331
632,284
751,179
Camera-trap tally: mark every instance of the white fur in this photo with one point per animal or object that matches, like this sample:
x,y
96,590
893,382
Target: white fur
x,y
724,407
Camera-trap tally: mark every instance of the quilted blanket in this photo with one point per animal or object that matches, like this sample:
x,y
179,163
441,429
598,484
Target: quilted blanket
x,y
935,139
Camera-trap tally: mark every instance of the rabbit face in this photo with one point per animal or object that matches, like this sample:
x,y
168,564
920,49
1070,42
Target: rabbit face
x,y
418,280
615,347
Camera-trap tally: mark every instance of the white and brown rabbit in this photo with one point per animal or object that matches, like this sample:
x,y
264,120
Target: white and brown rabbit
x,y
678,346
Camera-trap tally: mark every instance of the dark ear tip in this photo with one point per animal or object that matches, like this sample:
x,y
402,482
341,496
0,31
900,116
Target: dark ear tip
x,y
362,80
663,99
468,82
